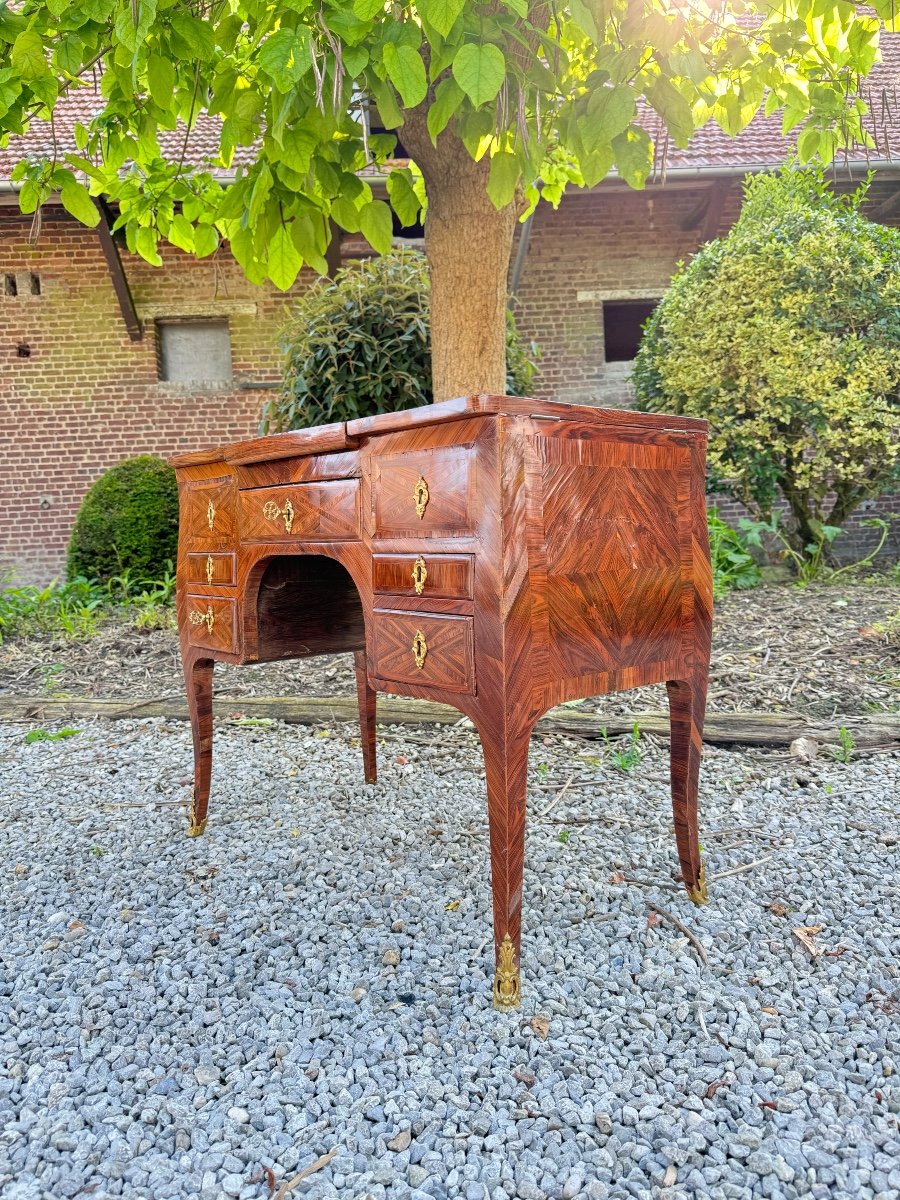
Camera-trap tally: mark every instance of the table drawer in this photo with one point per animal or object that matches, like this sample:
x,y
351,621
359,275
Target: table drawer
x,y
211,568
428,492
301,512
442,576
208,513
211,622
425,650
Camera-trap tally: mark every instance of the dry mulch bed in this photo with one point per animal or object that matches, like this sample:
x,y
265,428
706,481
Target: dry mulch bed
x,y
810,651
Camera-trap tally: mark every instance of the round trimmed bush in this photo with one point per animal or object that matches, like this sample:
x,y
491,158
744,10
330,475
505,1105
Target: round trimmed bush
x,y
128,521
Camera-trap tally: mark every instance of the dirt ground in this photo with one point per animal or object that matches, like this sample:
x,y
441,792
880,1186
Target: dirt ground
x,y
811,651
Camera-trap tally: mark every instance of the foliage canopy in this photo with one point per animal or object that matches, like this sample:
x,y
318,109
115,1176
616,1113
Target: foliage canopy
x,y
360,344
546,94
785,334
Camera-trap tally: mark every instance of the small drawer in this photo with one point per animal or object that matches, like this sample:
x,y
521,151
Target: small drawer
x,y
428,492
441,576
211,568
424,650
208,513
211,622
301,512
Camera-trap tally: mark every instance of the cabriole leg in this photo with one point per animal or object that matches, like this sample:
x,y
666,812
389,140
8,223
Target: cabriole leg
x,y
687,706
198,676
366,697
506,771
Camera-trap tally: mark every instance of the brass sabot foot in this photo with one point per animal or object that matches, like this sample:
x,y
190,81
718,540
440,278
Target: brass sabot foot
x,y
507,987
699,893
196,828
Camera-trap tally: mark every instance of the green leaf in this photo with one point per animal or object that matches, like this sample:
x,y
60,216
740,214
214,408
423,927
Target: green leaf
x,y
77,202
145,243
161,80
406,72
386,101
206,240
68,54
441,14
197,37
27,55
377,226
448,96
367,10
634,156
285,57
356,59
345,212
609,113
181,233
284,261
504,175
808,144
404,200
479,71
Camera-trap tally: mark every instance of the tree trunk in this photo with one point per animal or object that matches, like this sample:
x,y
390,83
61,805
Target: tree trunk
x,y
468,243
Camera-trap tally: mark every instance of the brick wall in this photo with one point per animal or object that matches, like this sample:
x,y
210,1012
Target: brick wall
x,y
86,396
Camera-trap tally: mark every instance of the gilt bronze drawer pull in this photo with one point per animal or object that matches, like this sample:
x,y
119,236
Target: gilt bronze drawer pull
x,y
419,649
210,568
419,575
210,515
272,512
420,495
208,618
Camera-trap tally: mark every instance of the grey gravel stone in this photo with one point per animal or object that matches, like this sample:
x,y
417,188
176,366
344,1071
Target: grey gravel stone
x,y
301,979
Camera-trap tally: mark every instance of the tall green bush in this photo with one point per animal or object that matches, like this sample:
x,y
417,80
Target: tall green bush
x,y
785,334
128,522
360,344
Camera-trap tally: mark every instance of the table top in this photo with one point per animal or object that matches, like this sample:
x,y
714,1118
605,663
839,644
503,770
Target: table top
x,y
347,435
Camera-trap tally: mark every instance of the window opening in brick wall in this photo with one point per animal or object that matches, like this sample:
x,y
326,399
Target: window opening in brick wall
x,y
34,284
622,327
194,351
10,287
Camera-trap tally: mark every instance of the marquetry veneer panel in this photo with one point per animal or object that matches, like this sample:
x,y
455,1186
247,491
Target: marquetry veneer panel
x,y
211,622
449,661
211,568
327,511
442,576
207,513
448,474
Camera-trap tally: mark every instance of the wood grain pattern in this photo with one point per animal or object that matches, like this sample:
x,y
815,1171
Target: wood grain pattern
x,y
446,576
300,512
211,568
211,622
449,658
566,554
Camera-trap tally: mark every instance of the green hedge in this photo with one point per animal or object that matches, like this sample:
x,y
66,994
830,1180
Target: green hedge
x,y
128,522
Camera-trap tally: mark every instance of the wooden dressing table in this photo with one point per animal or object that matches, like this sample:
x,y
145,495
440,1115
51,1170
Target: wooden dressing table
x,y
501,555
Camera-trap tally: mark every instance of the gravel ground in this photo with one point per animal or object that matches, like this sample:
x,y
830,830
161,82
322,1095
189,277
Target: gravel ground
x,y
814,651
205,1019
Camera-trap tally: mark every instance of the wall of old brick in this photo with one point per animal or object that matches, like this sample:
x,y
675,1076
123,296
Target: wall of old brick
x,y
86,396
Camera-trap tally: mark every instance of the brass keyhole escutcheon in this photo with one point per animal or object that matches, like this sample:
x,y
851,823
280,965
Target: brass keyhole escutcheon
x,y
419,575
210,515
210,568
419,649
420,495
207,618
272,512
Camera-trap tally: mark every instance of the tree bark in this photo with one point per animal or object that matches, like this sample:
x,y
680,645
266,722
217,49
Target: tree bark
x,y
468,243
